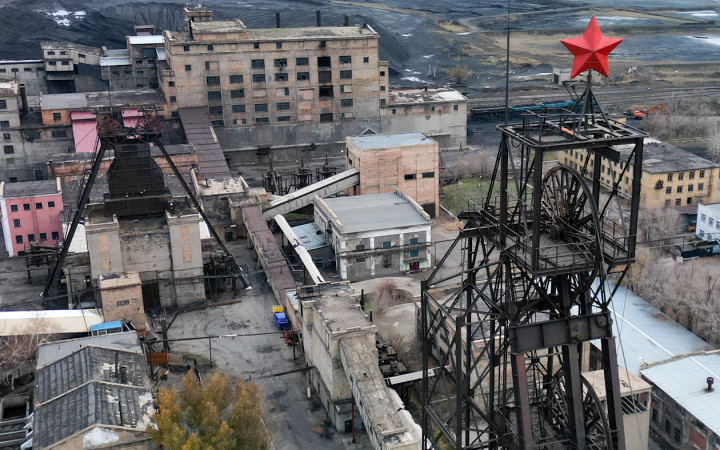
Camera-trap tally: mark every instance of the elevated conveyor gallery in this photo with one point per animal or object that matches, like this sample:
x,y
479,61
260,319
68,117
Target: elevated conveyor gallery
x,y
303,197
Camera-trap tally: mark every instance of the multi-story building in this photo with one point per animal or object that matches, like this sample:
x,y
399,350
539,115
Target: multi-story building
x,y
31,213
134,67
408,162
708,221
671,176
296,86
375,235
63,62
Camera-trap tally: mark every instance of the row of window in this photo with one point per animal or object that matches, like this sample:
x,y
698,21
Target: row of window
x,y
31,237
323,77
691,175
386,244
25,69
26,207
679,189
711,221
412,176
678,202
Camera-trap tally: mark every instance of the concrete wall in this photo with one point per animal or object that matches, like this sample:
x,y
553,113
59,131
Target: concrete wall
x,y
186,254
103,242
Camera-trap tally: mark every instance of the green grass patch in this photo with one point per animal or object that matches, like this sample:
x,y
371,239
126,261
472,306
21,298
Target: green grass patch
x,y
456,196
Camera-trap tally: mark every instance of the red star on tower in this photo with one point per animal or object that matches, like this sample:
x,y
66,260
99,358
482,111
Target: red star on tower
x,y
591,50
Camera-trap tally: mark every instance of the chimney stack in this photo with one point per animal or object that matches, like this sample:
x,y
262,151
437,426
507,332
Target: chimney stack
x,y
277,20
318,14
710,381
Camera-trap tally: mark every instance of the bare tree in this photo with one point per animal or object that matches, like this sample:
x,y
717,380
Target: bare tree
x,y
17,352
459,74
385,296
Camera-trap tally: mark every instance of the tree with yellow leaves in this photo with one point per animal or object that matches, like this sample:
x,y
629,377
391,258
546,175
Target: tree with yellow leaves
x,y
215,414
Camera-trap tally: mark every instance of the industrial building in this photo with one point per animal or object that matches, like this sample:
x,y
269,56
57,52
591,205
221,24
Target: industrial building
x,y
31,214
134,67
708,221
375,235
408,162
672,176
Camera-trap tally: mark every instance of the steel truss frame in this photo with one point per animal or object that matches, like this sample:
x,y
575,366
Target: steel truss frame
x,y
507,329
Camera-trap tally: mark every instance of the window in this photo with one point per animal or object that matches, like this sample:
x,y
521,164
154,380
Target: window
x,y
667,203
690,188
57,117
413,241
283,118
13,208
382,103
326,117
237,93
677,202
173,99
38,206
8,149
188,67
281,77
455,107
27,69
259,77
262,120
386,244
414,253
18,239
123,302
387,262
346,74
256,45
213,81
325,77
258,63
138,61
281,62
679,189
700,186
325,91
3,104
64,63
689,201
214,95
174,114
282,106
51,53
359,248
215,110
278,45
261,107
382,73
210,47
55,235
302,76
359,260
346,88
301,61
238,108
171,84
4,123
711,222
63,53
410,176
16,70
43,237
668,190
287,91
31,237
702,174
670,177
345,59
236,79
59,134
366,59
346,102
717,225
323,61
16,223
691,175
677,435
51,204
680,176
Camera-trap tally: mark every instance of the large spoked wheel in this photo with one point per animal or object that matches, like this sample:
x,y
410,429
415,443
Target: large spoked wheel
x,y
569,215
597,426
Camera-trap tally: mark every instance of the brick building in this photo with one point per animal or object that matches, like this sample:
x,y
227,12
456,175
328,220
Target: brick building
x,y
408,162
31,213
122,299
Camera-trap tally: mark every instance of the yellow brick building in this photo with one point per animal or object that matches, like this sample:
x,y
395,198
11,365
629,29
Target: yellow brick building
x,y
671,176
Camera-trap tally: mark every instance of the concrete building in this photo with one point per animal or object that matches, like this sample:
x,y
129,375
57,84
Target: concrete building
x,y
671,176
30,72
708,221
134,67
408,162
92,392
31,214
122,299
339,342
375,235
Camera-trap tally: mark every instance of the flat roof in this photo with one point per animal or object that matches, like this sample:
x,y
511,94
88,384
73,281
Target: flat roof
x,y
713,206
106,61
219,26
437,95
29,188
83,100
308,235
56,350
356,31
370,141
374,212
661,157
144,40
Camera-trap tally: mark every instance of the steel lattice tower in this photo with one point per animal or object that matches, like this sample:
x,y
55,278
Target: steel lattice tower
x,y
508,337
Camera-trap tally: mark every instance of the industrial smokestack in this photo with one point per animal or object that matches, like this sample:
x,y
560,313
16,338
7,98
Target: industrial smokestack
x,y
23,98
277,20
710,381
318,14
347,21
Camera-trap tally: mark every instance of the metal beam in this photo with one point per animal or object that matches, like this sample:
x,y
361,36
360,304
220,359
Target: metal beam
x,y
551,333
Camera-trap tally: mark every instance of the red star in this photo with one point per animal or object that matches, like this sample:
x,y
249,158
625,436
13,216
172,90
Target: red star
x,y
591,50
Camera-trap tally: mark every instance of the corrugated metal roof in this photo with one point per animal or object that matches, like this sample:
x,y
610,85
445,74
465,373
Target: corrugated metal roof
x,y
199,133
142,40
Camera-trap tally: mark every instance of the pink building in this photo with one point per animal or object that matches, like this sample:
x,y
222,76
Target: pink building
x,y
31,214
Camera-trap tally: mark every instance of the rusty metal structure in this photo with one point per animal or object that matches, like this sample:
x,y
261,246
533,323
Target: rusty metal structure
x,y
507,329
326,171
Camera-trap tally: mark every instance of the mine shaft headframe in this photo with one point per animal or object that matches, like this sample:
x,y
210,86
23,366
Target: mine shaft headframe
x,y
115,128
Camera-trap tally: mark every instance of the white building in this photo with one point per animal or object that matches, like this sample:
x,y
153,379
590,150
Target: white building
x,y
708,221
375,235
